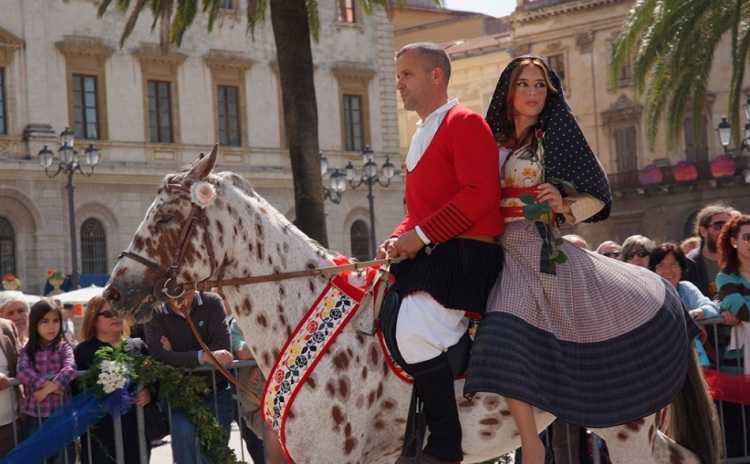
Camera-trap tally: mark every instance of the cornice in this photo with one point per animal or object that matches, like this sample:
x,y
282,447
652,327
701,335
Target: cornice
x,y
219,60
152,54
521,16
624,109
79,45
350,70
9,43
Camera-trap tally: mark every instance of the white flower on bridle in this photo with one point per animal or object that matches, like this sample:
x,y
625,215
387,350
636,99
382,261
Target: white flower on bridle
x,y
202,194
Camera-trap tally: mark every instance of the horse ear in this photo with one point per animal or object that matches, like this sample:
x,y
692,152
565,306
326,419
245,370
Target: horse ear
x,y
203,165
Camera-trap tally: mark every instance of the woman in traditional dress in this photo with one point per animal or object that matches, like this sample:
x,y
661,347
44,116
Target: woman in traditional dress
x,y
593,340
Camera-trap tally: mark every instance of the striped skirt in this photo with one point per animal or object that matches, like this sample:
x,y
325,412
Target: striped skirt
x,y
598,343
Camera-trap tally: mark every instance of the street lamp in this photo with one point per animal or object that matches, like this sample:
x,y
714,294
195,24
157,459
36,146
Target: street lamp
x,y
369,176
68,162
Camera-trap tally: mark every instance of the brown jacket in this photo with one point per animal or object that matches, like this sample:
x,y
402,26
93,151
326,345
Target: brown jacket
x,y
8,339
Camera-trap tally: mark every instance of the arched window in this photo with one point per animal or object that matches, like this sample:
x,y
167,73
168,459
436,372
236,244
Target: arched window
x,y
360,235
7,247
93,247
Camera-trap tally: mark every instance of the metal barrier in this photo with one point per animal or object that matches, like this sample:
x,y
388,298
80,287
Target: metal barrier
x,y
141,424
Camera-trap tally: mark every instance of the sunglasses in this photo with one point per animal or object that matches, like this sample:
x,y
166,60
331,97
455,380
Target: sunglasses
x,y
107,313
640,254
717,226
612,254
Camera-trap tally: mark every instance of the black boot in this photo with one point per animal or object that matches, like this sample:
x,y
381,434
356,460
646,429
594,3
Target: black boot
x,y
433,381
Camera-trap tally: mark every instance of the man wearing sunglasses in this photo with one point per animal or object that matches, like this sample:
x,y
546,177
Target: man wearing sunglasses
x,y
703,262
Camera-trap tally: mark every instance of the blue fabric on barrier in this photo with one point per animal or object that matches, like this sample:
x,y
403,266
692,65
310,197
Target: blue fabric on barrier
x,y
66,424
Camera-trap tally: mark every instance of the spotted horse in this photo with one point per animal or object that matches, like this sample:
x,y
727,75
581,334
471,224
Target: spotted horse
x,y
352,408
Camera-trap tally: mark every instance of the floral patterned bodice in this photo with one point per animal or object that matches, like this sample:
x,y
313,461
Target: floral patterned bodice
x,y
522,167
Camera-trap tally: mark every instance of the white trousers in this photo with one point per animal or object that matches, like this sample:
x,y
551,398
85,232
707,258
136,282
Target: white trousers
x,y
425,328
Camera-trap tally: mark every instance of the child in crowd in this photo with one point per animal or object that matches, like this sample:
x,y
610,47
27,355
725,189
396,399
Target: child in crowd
x,y
46,368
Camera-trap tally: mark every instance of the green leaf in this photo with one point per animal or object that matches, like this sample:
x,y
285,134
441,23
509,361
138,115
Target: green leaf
x,y
527,199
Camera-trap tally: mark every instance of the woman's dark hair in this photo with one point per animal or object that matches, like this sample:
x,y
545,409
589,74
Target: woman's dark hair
x,y
38,311
508,135
728,259
661,252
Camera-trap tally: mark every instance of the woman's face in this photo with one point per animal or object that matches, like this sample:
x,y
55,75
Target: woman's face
x,y
670,269
530,92
107,322
742,244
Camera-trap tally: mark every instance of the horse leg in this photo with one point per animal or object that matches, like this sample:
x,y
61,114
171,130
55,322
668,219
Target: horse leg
x,y
272,447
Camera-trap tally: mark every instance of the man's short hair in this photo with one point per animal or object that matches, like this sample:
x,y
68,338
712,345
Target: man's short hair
x,y
433,53
703,218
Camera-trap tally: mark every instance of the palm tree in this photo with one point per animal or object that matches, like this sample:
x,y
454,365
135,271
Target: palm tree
x,y
671,44
293,22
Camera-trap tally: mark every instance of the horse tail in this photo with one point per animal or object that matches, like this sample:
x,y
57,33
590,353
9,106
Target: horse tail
x,y
694,421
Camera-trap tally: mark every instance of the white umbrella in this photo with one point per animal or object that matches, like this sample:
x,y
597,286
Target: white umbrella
x,y
82,295
16,295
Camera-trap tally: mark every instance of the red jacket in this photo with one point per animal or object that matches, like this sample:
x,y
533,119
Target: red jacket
x,y
455,188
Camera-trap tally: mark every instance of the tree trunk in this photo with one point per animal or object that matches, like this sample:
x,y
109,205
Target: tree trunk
x,y
294,54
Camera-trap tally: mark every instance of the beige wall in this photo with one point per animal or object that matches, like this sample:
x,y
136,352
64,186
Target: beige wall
x,y
124,183
415,25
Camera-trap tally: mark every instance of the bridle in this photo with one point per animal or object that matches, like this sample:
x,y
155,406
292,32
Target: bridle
x,y
166,284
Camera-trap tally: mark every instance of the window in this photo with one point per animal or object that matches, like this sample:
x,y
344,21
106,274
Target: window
x,y
85,108
7,247
695,150
360,240
346,11
557,63
229,115
159,112
626,151
3,117
93,247
227,4
353,123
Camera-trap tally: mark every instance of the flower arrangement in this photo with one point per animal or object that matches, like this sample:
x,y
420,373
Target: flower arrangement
x,y
122,368
11,282
55,274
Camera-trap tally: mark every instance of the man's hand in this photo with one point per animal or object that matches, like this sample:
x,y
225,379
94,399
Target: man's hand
x,y
407,245
4,382
385,249
244,352
224,357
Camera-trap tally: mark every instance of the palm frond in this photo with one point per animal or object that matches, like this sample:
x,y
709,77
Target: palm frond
x,y
131,21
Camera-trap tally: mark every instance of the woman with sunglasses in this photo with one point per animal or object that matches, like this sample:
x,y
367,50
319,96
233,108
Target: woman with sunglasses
x,y
733,292
636,250
102,327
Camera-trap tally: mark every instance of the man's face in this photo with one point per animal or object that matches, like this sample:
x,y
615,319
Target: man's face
x,y
710,233
15,311
414,81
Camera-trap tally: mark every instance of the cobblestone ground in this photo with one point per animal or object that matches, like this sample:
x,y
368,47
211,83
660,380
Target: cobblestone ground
x,y
163,454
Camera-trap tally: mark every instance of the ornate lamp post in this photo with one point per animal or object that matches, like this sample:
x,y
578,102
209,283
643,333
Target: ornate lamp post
x,y
369,176
69,163
725,132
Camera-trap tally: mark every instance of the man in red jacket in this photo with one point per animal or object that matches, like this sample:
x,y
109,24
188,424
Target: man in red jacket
x,y
449,233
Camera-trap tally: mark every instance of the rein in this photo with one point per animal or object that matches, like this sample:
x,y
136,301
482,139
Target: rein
x,y
166,286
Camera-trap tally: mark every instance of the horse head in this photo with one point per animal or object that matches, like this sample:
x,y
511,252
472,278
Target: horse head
x,y
173,248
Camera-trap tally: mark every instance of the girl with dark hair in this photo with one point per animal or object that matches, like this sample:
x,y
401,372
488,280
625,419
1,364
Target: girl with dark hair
x,y
46,367
562,323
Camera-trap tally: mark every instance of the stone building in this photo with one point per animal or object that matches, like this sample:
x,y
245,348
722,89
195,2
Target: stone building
x,y
576,37
150,113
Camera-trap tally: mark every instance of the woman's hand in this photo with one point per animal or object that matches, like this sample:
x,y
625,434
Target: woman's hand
x,y
697,314
166,345
143,397
549,194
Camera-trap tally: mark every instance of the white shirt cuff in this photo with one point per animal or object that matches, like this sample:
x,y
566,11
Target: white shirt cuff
x,y
425,239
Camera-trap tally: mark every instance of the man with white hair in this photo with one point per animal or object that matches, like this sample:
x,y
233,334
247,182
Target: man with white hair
x,y
14,308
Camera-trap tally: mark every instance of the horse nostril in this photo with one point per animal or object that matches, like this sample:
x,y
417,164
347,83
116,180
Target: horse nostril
x,y
111,293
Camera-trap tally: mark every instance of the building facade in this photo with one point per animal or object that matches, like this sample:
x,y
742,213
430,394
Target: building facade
x,y
150,113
